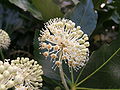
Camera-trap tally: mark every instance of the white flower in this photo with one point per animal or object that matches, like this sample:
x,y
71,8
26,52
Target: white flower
x,y
62,40
29,73
21,88
7,73
20,73
4,39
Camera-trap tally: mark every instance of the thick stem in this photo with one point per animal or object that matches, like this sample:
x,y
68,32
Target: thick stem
x,y
73,87
62,73
62,77
1,53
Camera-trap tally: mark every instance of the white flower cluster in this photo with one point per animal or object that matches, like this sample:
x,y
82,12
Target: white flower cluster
x,y
22,72
62,41
4,39
7,73
28,74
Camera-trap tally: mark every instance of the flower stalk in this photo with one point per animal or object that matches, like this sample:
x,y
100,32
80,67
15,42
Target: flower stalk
x,y
62,73
63,41
62,77
1,53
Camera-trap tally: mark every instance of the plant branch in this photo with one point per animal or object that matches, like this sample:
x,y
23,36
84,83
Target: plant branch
x,y
72,76
62,77
80,88
62,73
1,53
98,68
79,75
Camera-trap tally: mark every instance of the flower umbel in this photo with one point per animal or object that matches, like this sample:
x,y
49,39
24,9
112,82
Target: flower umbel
x,y
61,36
29,73
4,39
22,73
7,74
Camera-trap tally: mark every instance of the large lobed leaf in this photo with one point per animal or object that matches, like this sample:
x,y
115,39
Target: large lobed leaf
x,y
48,8
109,75
10,19
40,9
84,15
27,6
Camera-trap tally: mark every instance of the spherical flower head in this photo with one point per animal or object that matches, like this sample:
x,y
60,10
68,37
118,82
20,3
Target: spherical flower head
x,y
20,73
28,74
62,41
7,74
4,39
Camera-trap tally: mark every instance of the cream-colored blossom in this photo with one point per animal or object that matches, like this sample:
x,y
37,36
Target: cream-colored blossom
x,y
4,39
7,74
21,88
29,73
21,73
63,41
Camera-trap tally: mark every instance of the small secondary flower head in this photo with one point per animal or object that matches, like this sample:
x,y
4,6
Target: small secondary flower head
x,y
7,73
4,39
20,73
29,73
62,41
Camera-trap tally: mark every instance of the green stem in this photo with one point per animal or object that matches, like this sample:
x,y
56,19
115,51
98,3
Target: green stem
x,y
79,75
80,88
68,80
62,77
73,87
1,53
62,73
98,68
72,77
103,89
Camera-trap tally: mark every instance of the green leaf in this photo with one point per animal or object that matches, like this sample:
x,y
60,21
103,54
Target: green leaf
x,y
84,15
27,6
116,5
48,8
10,19
79,88
47,65
116,14
52,84
104,16
108,76
115,17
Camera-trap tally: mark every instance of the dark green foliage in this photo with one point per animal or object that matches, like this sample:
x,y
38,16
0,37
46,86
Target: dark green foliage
x,y
83,15
23,20
40,9
108,76
27,6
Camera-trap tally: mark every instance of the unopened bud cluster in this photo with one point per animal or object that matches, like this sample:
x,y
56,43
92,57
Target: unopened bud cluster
x,y
60,36
29,73
20,73
7,73
4,39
